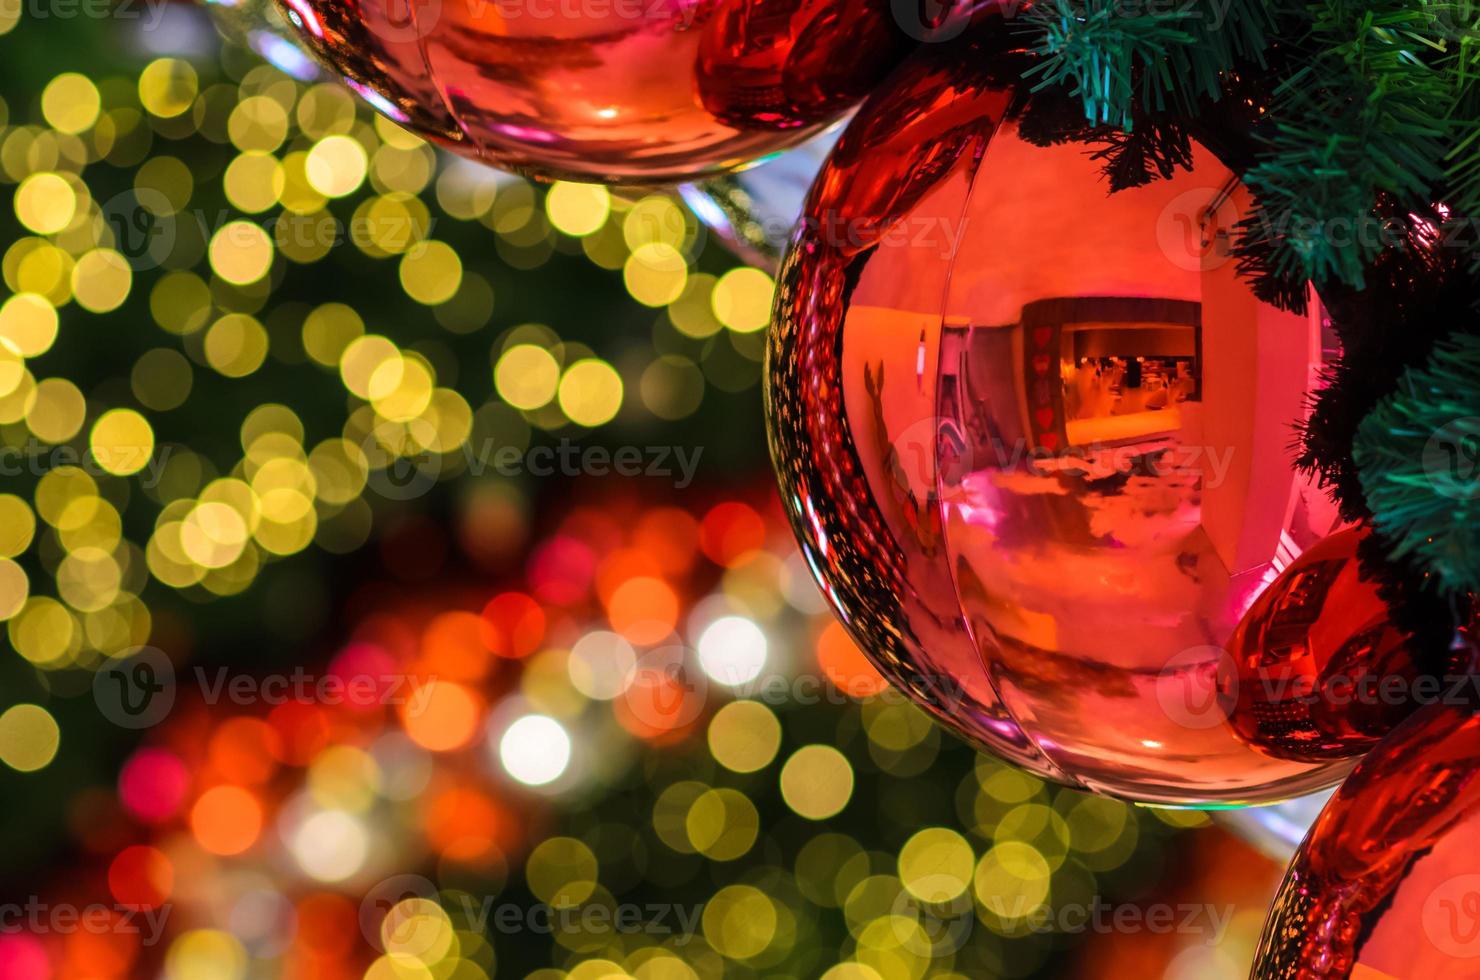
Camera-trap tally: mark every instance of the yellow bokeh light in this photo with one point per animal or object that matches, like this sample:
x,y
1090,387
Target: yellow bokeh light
x,y
744,736
526,376
29,737
28,325
936,864
122,441
241,252
180,302
722,824
161,379
101,280
742,299
739,921
57,410
328,330
590,392
578,209
259,123
655,219
205,954
817,781
431,272
70,102
561,871
45,203
1012,881
17,525
655,274
254,181
236,345
167,87
213,534
15,588
417,931
44,632
360,361
164,184
336,166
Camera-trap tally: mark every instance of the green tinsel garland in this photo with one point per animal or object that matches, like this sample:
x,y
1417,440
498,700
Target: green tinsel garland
x,y
1418,459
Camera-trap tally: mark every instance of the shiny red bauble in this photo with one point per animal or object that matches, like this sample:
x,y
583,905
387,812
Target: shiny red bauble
x,y
607,90
1033,437
1387,885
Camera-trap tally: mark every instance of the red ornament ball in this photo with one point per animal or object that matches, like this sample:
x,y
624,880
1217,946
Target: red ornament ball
x,y
607,90
1034,439
1388,882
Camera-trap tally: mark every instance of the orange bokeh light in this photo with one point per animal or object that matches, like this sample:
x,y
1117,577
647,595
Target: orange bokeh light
x,y
730,532
441,715
643,609
845,665
670,536
454,646
464,824
245,750
226,820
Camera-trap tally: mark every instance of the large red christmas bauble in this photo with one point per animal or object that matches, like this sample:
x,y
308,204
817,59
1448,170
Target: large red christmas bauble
x,y
608,90
1034,439
1387,885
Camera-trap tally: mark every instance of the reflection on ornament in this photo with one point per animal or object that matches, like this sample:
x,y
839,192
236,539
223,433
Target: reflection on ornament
x,y
753,212
1275,830
623,91
1388,883
258,26
1033,438
1322,671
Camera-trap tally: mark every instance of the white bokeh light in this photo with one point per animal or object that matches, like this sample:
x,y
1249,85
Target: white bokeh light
x,y
600,665
732,650
330,845
535,750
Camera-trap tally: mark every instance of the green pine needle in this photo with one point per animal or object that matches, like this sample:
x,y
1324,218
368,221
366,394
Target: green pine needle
x,y
1418,459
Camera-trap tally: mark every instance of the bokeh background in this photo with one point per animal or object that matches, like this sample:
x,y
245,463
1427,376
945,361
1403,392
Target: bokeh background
x,y
428,513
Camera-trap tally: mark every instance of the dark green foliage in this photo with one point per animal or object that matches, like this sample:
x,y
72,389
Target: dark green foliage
x,y
1417,455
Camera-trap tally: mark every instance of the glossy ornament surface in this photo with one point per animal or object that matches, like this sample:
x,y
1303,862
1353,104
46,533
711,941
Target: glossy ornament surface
x,y
1275,830
608,90
1388,883
258,25
1034,440
754,211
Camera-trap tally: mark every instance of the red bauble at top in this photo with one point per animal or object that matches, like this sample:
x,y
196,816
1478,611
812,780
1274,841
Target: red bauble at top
x,y
607,90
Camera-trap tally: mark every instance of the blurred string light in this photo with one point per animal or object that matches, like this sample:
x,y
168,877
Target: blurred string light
x,y
305,169
797,835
